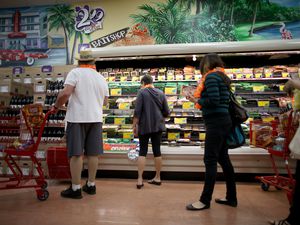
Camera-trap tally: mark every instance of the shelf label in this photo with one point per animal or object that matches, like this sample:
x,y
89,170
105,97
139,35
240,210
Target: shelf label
x,y
128,135
180,120
171,90
171,105
202,136
116,92
281,87
119,121
104,135
268,75
123,78
179,77
258,88
249,75
198,76
173,136
111,79
187,135
188,77
188,105
170,77
135,78
285,74
258,75
263,103
124,105
239,76
268,119
161,77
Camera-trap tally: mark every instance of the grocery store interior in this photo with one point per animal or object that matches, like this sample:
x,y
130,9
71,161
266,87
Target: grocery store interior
x,y
39,44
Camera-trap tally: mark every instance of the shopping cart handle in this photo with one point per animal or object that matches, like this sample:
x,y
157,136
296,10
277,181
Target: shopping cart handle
x,y
51,111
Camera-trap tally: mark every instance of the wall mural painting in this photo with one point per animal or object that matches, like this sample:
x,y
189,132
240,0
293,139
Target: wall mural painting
x,y
52,35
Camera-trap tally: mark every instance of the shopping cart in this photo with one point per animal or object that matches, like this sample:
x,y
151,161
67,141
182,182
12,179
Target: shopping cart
x,y
32,124
288,127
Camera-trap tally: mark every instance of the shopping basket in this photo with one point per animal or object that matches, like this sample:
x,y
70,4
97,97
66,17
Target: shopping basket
x,y
32,124
288,126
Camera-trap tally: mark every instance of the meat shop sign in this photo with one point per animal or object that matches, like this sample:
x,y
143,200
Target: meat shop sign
x,y
110,38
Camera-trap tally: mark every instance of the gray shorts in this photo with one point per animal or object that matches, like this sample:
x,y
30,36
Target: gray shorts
x,y
84,138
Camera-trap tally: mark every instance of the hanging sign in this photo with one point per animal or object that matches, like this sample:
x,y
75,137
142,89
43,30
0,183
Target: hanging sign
x,y
110,38
87,20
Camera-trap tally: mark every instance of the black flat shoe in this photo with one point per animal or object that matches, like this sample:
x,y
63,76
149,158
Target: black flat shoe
x,y
192,208
139,186
154,182
226,202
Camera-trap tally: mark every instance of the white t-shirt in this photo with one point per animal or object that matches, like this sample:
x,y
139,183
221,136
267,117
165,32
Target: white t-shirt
x,y
86,102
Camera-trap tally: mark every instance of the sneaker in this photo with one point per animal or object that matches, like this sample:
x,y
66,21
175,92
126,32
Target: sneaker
x,y
69,193
91,190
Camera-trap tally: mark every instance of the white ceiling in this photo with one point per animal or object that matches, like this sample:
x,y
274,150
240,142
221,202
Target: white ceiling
x,y
20,3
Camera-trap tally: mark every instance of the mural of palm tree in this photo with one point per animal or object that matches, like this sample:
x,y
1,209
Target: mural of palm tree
x,y
254,4
189,3
61,16
166,22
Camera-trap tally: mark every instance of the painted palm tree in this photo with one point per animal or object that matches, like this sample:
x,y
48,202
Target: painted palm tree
x,y
189,3
61,16
166,22
254,4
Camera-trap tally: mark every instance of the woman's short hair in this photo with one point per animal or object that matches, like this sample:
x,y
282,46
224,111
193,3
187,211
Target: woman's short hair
x,y
209,62
147,79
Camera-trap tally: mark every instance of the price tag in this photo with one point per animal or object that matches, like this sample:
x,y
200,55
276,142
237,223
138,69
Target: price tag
x,y
123,78
128,135
198,76
188,105
173,136
135,78
281,87
249,75
187,135
263,103
171,90
268,75
268,119
119,121
161,77
188,77
116,92
258,75
202,136
171,105
258,88
285,74
239,76
104,135
179,77
111,79
170,77
124,105
180,120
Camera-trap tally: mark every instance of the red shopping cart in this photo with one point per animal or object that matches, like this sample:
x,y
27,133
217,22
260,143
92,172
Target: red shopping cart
x,y
32,124
288,126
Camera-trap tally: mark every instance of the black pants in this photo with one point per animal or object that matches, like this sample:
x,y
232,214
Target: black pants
x,y
155,140
294,217
216,151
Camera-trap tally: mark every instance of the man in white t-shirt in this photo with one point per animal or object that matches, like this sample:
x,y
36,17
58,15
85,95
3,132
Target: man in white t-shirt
x,y
86,92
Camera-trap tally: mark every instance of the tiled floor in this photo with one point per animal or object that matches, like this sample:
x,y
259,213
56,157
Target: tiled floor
x,y
118,202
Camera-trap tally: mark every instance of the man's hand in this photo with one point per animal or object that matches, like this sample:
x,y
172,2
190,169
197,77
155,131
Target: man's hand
x,y
54,109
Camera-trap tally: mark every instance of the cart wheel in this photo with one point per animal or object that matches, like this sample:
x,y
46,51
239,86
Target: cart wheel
x,y
265,187
43,195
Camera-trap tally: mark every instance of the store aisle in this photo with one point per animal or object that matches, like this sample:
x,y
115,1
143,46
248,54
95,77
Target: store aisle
x,y
118,202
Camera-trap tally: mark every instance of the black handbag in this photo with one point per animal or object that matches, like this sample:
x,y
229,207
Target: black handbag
x,y
237,112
